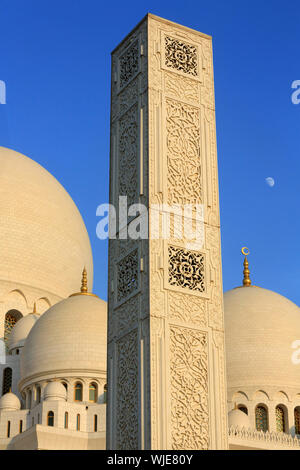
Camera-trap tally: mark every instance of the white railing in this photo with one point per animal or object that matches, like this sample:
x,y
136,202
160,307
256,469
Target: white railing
x,y
279,438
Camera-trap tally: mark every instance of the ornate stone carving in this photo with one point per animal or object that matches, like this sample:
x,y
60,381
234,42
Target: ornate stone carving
x,y
127,392
128,132
215,306
181,88
181,56
183,153
189,389
128,96
127,275
127,315
187,309
129,64
186,269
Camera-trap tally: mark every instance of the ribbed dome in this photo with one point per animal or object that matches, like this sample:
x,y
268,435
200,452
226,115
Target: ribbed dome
x,y
10,402
43,239
69,338
55,391
260,327
21,330
238,418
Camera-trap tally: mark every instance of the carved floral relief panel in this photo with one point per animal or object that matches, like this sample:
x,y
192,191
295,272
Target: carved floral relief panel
x,y
181,88
183,153
129,64
189,389
127,392
127,276
128,148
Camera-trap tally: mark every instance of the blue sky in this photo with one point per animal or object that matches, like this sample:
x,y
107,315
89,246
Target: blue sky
x,y
55,60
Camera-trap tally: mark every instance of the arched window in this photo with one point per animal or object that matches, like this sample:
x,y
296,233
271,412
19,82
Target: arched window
x,y
78,391
66,420
95,423
7,380
243,408
65,385
78,423
105,394
280,419
38,394
50,418
297,420
20,426
261,418
11,318
93,392
8,428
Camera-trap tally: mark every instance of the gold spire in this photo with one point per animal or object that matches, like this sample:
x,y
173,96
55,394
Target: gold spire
x,y
246,272
84,288
34,312
84,285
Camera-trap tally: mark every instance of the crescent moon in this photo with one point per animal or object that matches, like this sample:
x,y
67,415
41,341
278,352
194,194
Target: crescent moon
x,y
246,253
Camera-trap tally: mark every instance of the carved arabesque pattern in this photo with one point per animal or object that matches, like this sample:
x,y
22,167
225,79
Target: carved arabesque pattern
x,y
129,96
181,56
189,389
127,274
186,269
127,315
127,392
129,64
183,153
181,88
187,309
128,131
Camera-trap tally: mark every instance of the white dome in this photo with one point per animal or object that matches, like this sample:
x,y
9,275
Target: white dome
x,y
68,339
55,391
260,327
21,330
43,239
238,418
10,402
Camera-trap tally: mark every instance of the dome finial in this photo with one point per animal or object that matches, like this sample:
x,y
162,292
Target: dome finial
x,y
84,287
246,272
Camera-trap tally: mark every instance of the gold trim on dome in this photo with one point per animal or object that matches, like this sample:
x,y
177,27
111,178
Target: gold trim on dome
x,y
84,286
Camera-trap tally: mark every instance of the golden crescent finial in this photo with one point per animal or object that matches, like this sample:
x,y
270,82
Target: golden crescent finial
x,y
244,252
246,272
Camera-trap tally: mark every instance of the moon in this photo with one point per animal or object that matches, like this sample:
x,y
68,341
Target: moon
x,y
270,181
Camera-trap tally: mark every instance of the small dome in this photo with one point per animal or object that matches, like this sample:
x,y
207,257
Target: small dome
x,y
69,339
238,418
55,391
260,327
43,240
10,402
21,330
